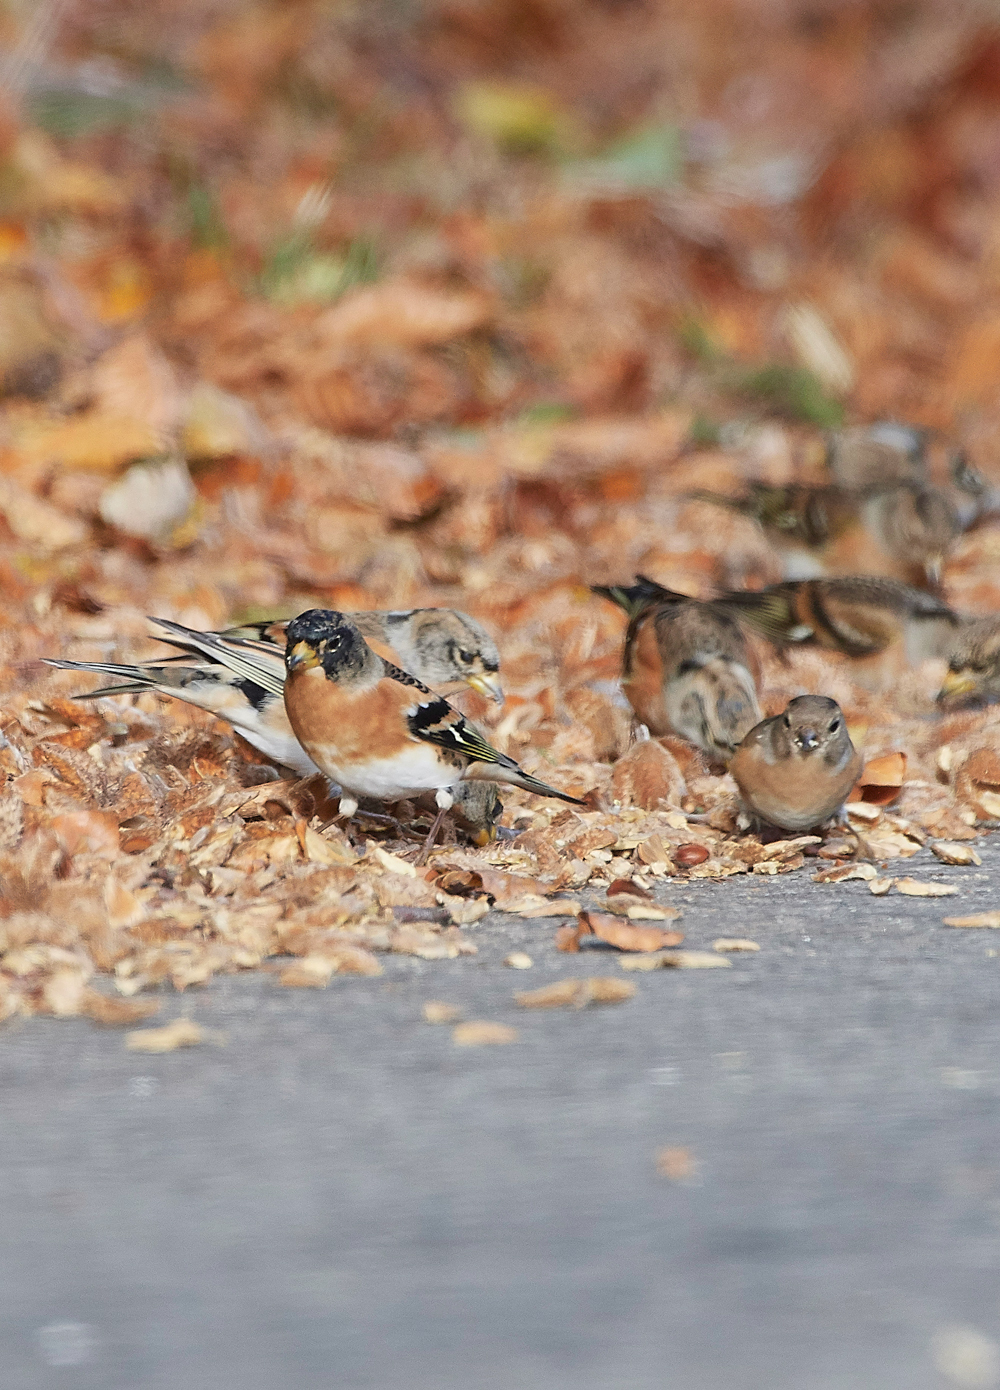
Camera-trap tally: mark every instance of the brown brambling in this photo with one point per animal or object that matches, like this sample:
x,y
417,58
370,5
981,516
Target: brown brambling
x,y
377,731
901,528
687,667
796,769
882,624
876,455
226,674
974,666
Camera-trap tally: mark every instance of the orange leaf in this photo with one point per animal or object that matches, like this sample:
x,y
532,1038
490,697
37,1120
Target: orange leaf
x,y
881,780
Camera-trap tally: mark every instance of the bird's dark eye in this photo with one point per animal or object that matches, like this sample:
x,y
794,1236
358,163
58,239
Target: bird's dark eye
x,y
834,726
467,658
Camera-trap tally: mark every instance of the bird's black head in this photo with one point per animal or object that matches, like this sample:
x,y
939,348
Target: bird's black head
x,y
322,637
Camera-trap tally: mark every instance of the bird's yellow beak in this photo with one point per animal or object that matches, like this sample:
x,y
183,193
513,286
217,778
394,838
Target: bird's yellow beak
x,y
487,684
956,683
484,836
301,655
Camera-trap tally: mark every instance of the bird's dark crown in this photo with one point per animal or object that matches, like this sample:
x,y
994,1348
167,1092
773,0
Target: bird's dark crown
x,y
332,636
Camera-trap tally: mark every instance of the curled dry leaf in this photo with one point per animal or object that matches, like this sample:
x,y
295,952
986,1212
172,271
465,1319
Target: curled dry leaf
x,y
558,907
676,960
629,938
977,919
568,938
627,887
842,873
182,1032
437,1011
878,887
863,811
734,943
951,853
920,888
596,989
881,780
481,1033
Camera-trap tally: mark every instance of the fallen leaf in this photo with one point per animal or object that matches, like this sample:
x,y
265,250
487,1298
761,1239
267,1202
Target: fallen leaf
x,y
951,853
881,780
568,938
560,907
88,832
437,1011
676,1164
182,1032
977,919
648,776
627,937
734,943
841,873
625,886
878,887
477,1033
519,960
919,888
675,960
597,989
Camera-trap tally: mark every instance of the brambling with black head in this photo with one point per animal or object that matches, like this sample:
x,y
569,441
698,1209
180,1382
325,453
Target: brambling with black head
x,y
883,625
973,676
687,667
796,769
240,679
443,647
377,731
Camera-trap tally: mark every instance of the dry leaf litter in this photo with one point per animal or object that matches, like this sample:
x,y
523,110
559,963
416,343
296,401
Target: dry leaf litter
x,y
365,314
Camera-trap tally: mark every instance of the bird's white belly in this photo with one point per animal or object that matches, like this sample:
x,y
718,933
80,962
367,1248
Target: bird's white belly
x,y
284,749
413,769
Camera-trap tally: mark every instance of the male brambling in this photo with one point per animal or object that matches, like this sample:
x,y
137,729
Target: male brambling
x,y
687,667
891,624
377,731
974,665
444,648
226,674
796,769
901,528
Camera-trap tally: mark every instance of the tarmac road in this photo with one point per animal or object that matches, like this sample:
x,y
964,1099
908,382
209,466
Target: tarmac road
x,y
341,1197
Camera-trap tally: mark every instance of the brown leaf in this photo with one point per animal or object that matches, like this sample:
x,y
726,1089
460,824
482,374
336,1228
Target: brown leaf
x,y
881,779
675,960
951,853
437,1011
481,1033
687,856
734,943
114,1013
920,888
977,919
568,938
629,938
596,989
648,776
182,1032
627,886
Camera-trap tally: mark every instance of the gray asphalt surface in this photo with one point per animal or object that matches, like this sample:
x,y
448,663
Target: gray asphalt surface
x,y
341,1197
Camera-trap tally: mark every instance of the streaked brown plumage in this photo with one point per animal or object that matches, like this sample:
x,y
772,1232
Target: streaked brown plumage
x,y
796,769
377,731
974,665
884,625
687,668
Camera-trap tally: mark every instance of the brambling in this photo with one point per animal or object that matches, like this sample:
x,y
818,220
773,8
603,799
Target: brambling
x,y
225,679
377,731
861,616
901,528
872,455
974,666
796,769
441,646
687,667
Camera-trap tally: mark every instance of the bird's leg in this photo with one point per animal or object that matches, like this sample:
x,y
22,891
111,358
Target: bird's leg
x,y
445,802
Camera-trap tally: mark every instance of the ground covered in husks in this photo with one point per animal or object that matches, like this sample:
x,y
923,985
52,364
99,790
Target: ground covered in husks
x,y
307,307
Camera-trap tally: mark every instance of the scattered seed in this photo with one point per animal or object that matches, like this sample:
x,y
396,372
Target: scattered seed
x,y
917,888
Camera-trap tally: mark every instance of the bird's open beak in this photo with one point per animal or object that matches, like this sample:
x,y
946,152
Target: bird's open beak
x,y
487,684
956,683
301,655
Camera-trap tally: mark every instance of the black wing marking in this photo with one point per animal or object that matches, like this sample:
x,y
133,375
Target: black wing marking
x,y
233,659
436,722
